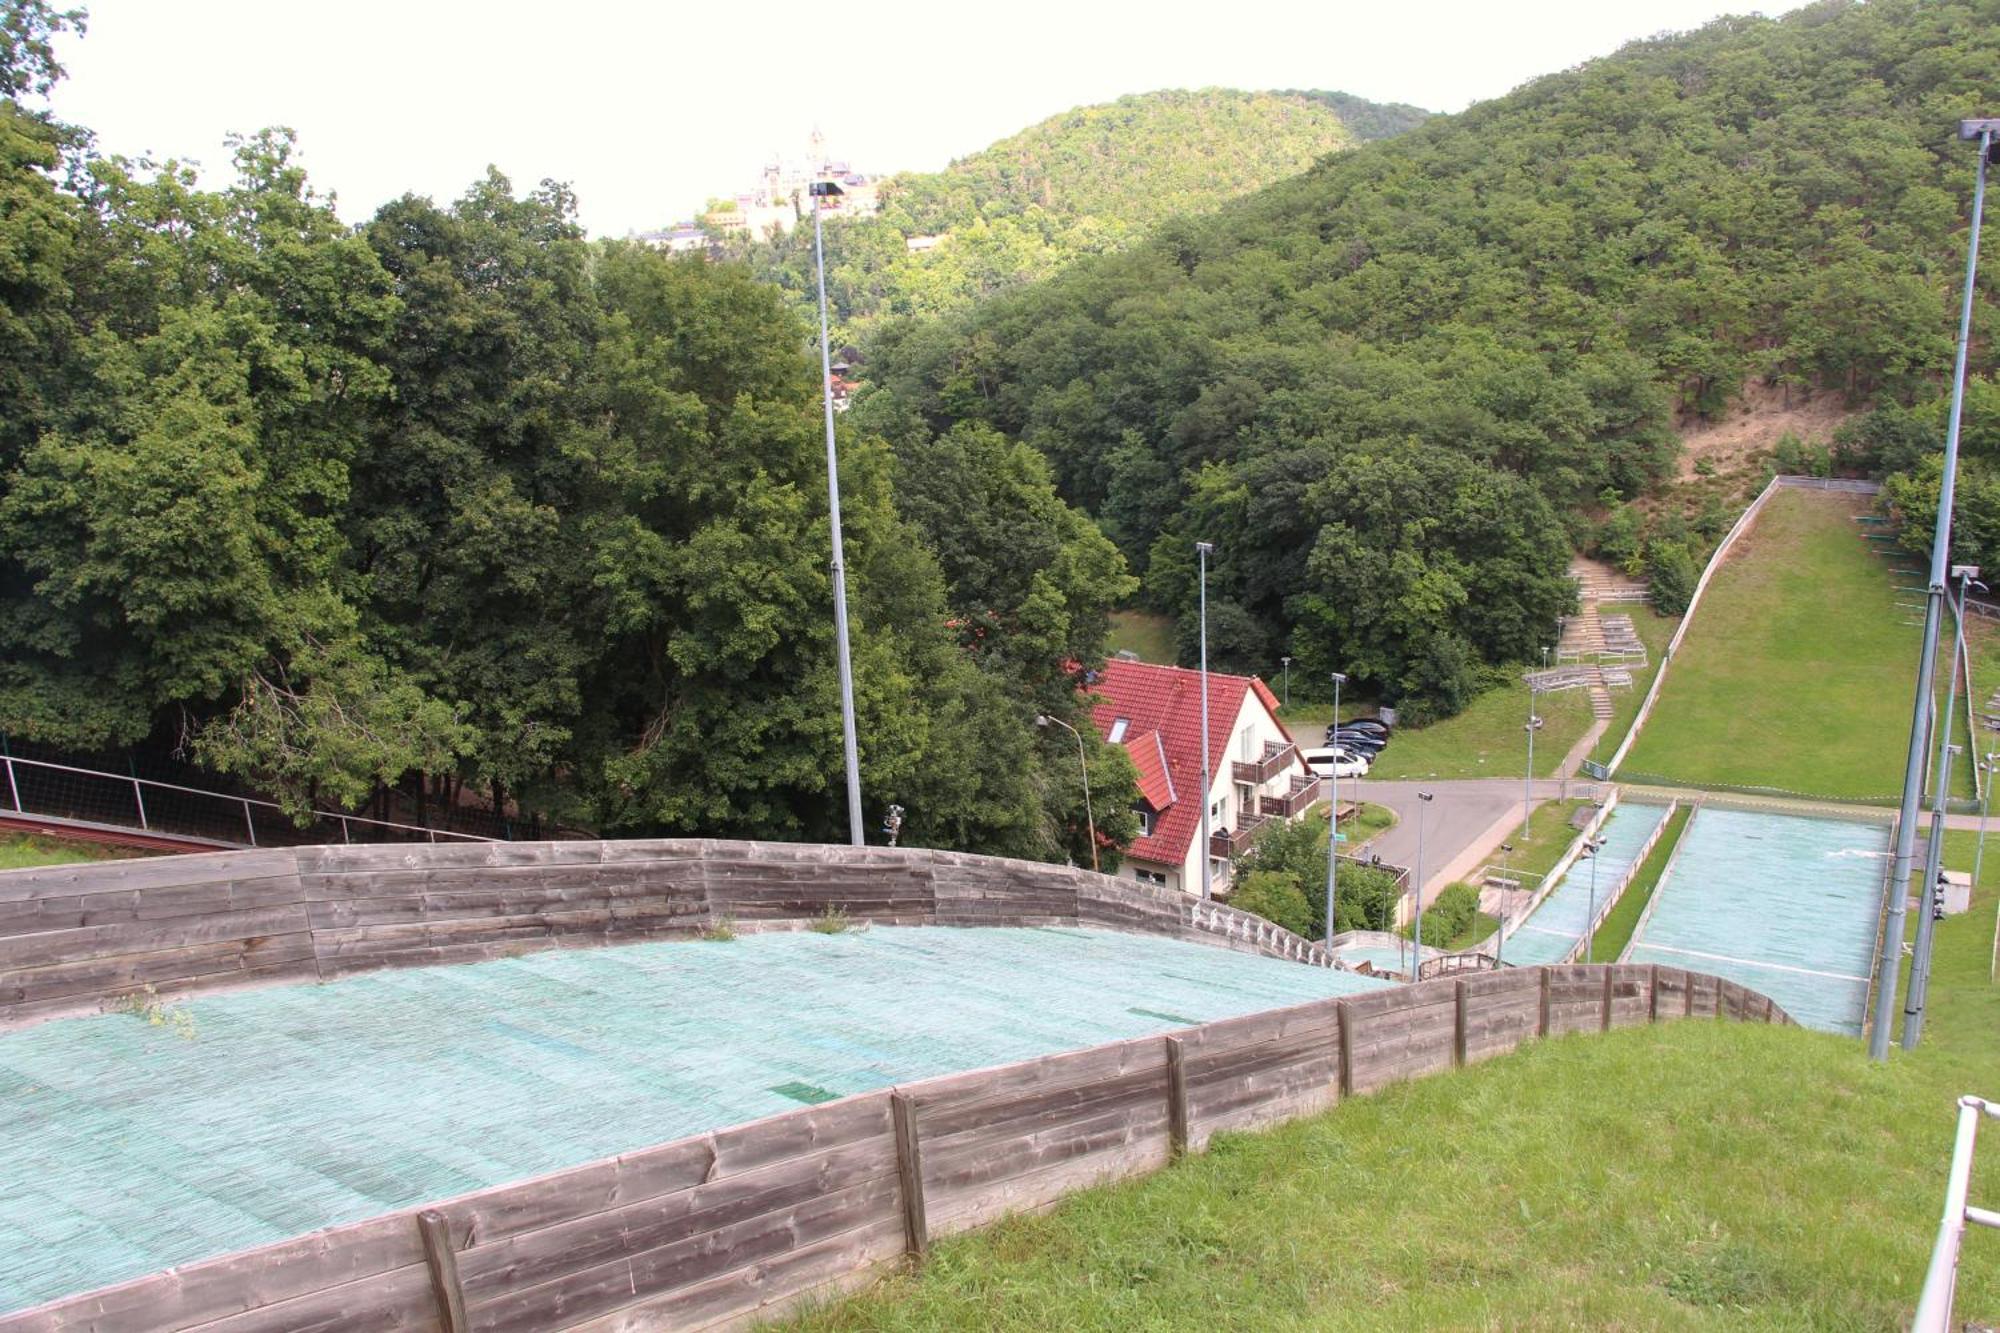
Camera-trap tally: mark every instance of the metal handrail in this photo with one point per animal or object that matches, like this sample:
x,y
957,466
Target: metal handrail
x,y
1934,1305
248,803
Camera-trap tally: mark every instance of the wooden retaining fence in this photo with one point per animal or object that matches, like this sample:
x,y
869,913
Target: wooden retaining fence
x,y
76,938
734,1225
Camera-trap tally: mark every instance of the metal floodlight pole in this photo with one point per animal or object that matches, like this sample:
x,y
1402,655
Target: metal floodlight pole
x,y
1333,816
1920,959
1288,686
1090,819
1202,550
1500,931
855,834
1891,960
1424,798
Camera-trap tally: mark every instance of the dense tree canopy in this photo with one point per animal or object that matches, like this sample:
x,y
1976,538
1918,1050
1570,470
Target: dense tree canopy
x,y
1390,388
458,497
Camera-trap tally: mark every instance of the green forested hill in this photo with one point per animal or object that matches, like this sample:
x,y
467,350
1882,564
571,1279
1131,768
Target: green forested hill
x,y
1089,181
1390,388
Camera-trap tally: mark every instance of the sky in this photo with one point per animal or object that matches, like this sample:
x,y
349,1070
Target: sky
x,y
649,109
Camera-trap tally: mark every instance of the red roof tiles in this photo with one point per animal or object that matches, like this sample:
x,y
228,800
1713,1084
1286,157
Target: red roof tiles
x,y
1162,708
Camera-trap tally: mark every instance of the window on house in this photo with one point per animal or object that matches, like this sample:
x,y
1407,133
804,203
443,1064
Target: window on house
x,y
1118,730
1150,877
1249,746
1145,820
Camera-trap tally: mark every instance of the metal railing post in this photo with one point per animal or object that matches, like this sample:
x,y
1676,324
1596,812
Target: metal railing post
x,y
12,790
249,821
139,799
1934,1304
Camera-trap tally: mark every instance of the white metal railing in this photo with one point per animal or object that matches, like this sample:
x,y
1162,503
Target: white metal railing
x,y
247,804
1934,1305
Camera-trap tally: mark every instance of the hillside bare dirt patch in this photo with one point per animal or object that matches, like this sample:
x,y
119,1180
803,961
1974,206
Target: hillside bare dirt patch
x,y
1764,414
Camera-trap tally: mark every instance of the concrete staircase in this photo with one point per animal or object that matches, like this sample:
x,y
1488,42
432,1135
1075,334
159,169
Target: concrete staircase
x,y
1607,647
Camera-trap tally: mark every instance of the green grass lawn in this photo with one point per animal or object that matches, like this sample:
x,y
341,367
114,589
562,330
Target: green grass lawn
x,y
1797,673
1490,738
1364,825
1616,930
18,852
1150,636
1690,1175
1549,836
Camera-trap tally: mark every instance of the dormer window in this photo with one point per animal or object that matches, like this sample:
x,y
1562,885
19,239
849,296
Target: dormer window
x,y
1118,730
1145,820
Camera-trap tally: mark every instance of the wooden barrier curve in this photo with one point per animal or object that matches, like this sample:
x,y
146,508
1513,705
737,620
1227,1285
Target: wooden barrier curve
x,y
76,938
733,1225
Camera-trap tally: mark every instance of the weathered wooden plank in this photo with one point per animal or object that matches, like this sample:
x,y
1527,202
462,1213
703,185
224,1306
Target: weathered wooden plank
x,y
87,942
760,1290
910,1175
442,1263
201,1293
586,1294
583,1241
1177,1098
1458,1025
147,873
398,1301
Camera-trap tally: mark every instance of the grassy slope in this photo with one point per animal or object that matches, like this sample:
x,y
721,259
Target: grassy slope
x,y
1150,636
1616,931
1654,630
1690,1175
1489,739
17,853
1796,675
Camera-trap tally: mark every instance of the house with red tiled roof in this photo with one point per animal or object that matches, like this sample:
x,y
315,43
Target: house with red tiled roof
x,y
1255,769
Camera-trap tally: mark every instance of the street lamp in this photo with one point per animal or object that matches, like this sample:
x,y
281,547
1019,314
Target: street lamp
x,y
1913,768
1202,551
1332,814
1500,931
1528,782
1424,798
1594,846
1044,720
821,190
1288,688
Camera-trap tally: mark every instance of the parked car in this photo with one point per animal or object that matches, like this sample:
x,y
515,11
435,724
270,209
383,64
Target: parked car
x,y
1365,742
1335,763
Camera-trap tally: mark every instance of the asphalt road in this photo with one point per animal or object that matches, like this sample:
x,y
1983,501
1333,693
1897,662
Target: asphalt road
x,y
1465,822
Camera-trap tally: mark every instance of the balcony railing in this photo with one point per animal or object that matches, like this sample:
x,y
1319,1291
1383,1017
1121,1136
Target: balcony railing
x,y
1228,844
1278,756
1294,802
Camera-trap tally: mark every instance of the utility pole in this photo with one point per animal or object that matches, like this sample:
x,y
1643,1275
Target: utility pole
x,y
1424,798
1333,816
1891,960
855,834
1202,551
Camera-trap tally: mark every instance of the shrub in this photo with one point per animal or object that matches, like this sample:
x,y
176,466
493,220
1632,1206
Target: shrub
x,y
1275,895
832,921
1451,913
1673,578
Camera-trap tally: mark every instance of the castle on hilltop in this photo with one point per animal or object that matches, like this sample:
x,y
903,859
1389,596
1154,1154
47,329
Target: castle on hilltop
x,y
778,200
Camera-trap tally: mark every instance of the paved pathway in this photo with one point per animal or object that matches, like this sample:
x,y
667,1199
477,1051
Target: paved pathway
x,y
1462,826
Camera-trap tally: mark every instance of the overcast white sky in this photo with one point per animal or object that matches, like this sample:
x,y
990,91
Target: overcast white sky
x,y
648,109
